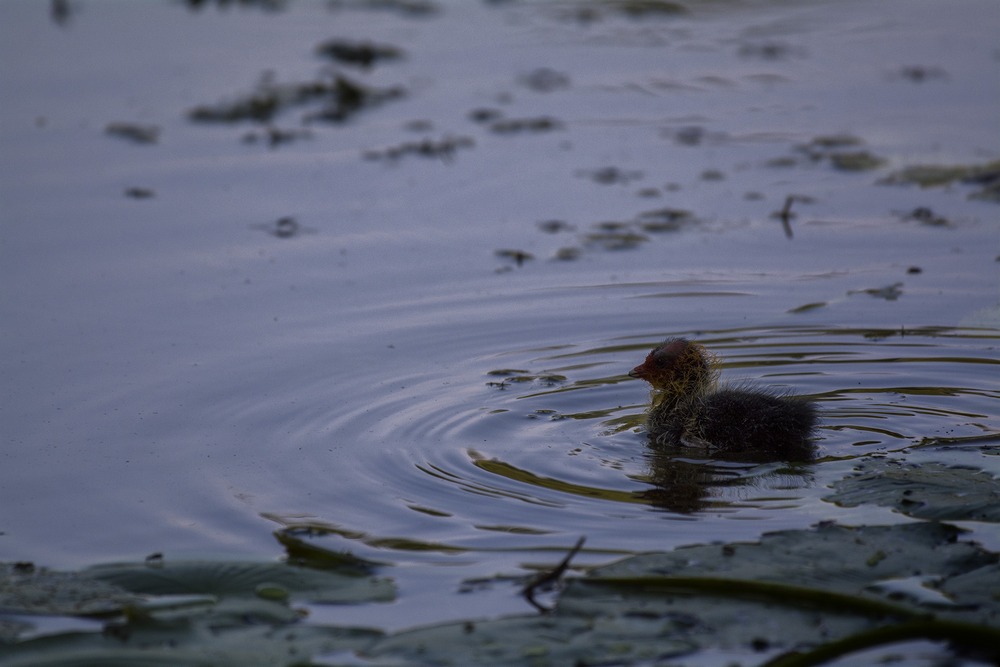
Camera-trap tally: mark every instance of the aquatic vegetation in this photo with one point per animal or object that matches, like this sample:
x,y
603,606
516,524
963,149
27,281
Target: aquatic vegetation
x,y
807,307
855,161
568,253
925,491
544,80
363,54
443,149
284,227
407,8
985,176
926,216
616,240
865,587
139,193
611,175
555,226
920,73
666,220
494,120
639,9
134,132
340,99
888,292
521,125
519,257
516,375
274,137
269,5
842,151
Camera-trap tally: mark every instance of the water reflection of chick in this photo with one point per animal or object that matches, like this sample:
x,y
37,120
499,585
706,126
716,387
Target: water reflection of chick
x,y
690,408
684,486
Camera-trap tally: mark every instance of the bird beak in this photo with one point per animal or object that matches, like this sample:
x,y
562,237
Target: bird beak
x,y
636,372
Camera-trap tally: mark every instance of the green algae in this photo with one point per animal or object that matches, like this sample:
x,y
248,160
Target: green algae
x,y
985,178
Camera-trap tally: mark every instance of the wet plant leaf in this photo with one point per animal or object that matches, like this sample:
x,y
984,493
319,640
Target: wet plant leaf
x,y
925,491
25,589
826,590
245,579
186,644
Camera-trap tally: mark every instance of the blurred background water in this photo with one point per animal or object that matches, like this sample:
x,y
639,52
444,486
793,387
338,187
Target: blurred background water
x,y
410,325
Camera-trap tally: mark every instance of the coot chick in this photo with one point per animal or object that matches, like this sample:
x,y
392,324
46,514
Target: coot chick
x,y
690,408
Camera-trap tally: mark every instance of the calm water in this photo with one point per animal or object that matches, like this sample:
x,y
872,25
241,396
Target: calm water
x,y
182,374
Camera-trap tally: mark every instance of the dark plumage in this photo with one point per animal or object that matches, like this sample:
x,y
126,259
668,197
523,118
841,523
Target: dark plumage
x,y
689,408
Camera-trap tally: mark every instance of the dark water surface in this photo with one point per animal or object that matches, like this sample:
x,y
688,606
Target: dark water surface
x,y
184,374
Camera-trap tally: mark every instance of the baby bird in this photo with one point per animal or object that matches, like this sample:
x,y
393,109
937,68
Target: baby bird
x,y
690,408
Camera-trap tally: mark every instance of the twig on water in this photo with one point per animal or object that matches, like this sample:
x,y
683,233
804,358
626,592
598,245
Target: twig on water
x,y
548,578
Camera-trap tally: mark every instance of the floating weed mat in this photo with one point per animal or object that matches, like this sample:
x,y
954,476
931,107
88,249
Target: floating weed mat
x,y
339,99
984,177
184,613
924,491
797,597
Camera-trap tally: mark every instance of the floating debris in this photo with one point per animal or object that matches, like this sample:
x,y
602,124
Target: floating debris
x,y
919,73
855,161
987,176
786,215
352,97
444,149
342,96
518,256
139,193
283,228
666,220
286,228
828,142
926,491
544,80
842,151
139,134
519,376
925,216
362,54
485,115
520,125
268,5
419,125
263,105
61,11
555,226
806,307
611,175
274,136
769,51
407,8
645,8
616,240
568,253
889,292
692,135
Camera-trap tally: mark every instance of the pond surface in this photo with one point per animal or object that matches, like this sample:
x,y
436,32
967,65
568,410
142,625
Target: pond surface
x,y
407,319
